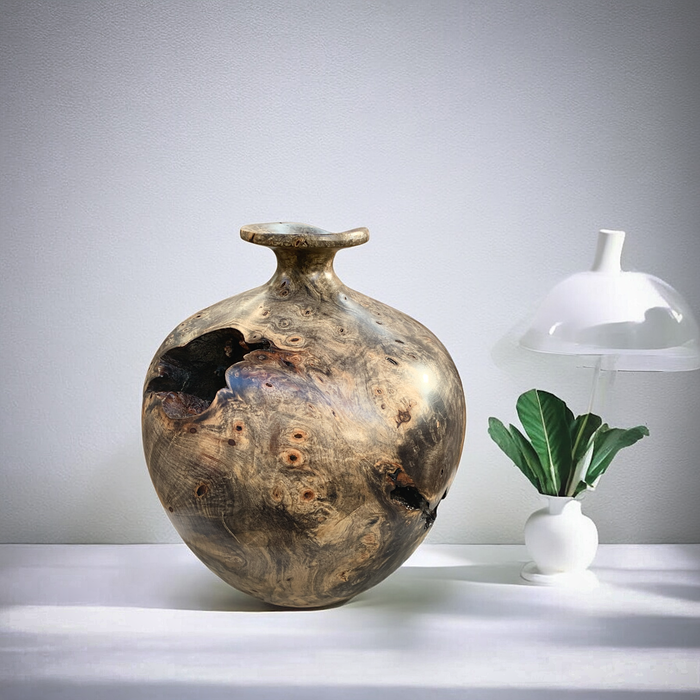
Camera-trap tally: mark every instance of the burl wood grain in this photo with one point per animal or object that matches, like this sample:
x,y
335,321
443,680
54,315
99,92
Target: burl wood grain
x,y
301,435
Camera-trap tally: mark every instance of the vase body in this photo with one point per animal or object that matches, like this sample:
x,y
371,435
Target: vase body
x,y
301,435
560,538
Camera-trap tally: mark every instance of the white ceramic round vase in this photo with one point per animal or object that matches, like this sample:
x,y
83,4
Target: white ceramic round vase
x,y
562,542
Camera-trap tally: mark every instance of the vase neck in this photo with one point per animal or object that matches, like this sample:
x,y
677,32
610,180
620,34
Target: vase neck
x,y
310,269
304,253
556,505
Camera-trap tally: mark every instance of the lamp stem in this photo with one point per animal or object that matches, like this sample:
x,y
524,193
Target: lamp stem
x,y
604,374
609,250
596,379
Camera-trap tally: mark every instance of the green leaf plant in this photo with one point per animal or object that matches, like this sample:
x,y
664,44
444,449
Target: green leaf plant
x,y
564,455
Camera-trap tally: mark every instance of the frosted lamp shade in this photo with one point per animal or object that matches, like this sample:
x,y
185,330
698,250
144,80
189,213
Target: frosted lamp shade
x,y
638,318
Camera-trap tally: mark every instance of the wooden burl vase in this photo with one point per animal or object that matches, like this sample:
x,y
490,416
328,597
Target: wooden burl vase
x,y
301,435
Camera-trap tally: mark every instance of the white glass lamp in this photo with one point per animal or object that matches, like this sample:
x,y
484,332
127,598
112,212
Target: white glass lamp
x,y
630,320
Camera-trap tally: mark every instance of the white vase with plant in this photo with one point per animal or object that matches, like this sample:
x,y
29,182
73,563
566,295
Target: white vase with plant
x,y
564,457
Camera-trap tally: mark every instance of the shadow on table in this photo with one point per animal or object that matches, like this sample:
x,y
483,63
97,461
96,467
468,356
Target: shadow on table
x,y
176,581
631,632
681,591
422,589
66,690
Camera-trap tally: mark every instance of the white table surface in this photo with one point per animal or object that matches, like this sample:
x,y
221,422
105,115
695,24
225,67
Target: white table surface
x,y
150,621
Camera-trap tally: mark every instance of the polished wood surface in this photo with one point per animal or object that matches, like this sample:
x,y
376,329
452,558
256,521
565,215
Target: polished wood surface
x,y
301,435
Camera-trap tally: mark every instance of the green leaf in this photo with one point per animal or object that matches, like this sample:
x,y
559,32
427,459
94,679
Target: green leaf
x,y
503,438
546,420
500,435
581,431
532,460
607,443
568,415
582,486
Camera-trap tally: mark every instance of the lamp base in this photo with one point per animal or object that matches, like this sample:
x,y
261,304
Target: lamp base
x,y
579,580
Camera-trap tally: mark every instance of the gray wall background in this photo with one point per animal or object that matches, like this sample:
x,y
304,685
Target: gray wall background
x,y
482,142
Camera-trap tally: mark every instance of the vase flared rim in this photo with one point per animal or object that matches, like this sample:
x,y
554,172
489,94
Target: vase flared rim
x,y
286,234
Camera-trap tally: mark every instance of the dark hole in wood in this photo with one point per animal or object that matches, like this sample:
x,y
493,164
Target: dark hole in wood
x,y
201,490
410,497
195,372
